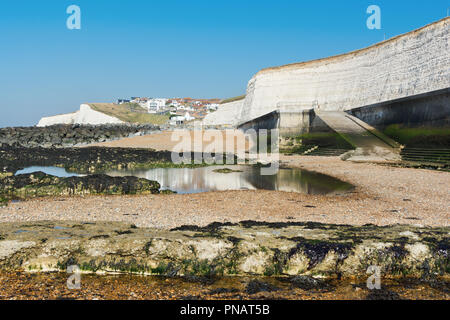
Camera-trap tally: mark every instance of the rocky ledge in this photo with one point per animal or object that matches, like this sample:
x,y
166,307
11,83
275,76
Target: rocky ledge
x,y
247,248
83,160
69,135
39,184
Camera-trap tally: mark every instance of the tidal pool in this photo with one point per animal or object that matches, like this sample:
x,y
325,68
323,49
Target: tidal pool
x,y
54,171
238,177
204,179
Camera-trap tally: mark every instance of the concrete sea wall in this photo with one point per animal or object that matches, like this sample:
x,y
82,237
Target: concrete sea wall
x,y
429,109
227,114
410,64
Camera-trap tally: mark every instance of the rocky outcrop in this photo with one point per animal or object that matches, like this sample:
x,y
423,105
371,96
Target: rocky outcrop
x,y
85,160
248,248
83,116
39,184
69,135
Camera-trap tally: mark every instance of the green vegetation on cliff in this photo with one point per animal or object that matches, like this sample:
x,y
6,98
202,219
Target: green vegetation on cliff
x,y
129,112
233,99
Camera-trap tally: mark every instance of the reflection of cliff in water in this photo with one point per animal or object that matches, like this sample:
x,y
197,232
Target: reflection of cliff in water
x,y
205,179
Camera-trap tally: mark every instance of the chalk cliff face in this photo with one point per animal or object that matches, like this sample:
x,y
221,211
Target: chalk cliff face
x,y
410,64
227,114
67,118
84,116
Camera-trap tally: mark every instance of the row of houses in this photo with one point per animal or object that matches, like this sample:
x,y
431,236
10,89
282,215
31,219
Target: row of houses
x,y
181,110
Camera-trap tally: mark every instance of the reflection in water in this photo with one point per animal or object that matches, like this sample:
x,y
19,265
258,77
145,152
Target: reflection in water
x,y
205,179
54,171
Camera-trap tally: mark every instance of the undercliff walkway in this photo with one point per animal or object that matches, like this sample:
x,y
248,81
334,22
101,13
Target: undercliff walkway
x,y
370,144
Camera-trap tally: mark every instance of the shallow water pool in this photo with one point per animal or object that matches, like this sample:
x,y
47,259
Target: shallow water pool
x,y
212,178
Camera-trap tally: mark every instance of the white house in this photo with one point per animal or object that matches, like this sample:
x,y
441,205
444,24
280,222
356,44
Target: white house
x,y
175,103
188,117
212,106
155,105
180,119
185,107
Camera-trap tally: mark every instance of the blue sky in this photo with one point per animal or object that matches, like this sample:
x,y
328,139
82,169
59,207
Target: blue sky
x,y
173,48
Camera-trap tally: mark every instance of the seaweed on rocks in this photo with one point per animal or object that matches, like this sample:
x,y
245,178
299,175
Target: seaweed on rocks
x,y
255,286
39,184
317,250
308,283
383,294
86,160
212,228
69,135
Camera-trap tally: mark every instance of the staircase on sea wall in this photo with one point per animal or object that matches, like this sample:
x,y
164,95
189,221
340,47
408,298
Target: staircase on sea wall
x,y
370,144
426,155
316,150
327,152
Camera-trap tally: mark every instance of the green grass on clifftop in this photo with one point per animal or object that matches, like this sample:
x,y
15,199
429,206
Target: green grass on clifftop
x,y
233,99
129,112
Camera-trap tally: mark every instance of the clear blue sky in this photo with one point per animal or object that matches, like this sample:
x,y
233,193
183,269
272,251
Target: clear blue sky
x,y
173,48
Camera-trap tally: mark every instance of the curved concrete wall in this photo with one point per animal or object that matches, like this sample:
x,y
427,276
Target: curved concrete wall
x,y
84,116
227,114
410,64
430,109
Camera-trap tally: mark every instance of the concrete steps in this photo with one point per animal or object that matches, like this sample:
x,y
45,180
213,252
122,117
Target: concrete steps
x,y
370,144
327,152
426,155
315,150
312,149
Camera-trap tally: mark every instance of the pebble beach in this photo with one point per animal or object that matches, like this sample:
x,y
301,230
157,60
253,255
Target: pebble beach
x,y
383,195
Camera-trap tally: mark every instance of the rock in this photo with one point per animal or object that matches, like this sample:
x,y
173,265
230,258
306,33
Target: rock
x,y
82,160
255,286
308,283
61,135
39,184
382,294
119,247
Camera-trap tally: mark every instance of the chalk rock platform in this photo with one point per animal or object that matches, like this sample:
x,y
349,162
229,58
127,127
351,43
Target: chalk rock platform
x,y
247,248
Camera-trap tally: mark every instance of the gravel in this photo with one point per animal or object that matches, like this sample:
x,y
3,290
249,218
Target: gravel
x,y
379,198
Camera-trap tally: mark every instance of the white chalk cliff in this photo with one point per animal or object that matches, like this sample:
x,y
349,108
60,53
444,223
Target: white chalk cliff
x,y
413,63
227,114
86,115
